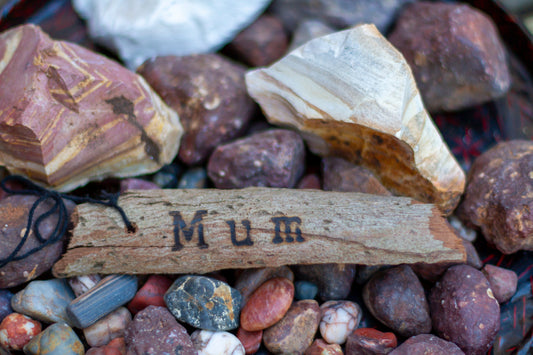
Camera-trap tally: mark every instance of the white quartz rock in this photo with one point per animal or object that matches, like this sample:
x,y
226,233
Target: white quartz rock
x,y
352,94
140,29
216,343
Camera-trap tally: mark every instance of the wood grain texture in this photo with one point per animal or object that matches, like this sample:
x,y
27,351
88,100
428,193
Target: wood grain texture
x,y
352,94
197,231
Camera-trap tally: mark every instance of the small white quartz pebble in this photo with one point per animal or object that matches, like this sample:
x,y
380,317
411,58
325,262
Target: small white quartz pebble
x,y
338,320
216,343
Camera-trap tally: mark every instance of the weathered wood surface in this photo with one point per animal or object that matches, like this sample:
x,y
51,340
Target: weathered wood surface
x,y
197,231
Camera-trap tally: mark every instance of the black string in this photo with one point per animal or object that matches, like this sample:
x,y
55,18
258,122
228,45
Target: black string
x,y
58,208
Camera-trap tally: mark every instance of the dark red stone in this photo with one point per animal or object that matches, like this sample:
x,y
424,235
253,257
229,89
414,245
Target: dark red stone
x,y
503,282
455,53
152,293
274,158
341,175
424,344
250,340
208,93
396,298
261,43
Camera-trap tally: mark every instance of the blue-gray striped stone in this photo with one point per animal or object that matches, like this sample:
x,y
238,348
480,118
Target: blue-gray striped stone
x,y
106,296
204,303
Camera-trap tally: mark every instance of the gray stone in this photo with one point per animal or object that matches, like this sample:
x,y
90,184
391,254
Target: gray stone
x,y
46,301
57,339
194,178
204,303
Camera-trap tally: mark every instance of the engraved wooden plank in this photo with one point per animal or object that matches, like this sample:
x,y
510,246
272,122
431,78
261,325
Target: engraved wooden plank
x,y
197,231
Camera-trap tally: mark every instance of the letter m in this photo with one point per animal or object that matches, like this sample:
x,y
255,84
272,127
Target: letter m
x,y
180,227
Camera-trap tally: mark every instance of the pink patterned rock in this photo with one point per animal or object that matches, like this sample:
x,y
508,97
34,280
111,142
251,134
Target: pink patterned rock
x,y
72,116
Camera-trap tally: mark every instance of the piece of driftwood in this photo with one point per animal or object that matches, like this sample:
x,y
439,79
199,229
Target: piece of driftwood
x,y
352,94
197,231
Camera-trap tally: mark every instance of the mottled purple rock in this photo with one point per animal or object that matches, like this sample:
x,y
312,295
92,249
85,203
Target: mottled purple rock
x,y
338,13
209,94
5,303
261,43
499,196
396,298
155,331
427,344
503,282
274,158
455,53
464,310
14,211
334,281
341,175
295,332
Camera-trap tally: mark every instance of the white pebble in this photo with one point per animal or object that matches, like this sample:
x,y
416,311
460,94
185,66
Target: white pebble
x,y
339,319
216,343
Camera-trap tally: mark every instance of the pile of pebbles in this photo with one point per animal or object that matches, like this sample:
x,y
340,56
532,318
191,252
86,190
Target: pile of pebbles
x,y
296,309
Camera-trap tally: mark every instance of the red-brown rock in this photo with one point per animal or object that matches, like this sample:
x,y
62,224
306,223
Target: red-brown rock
x,y
310,181
464,310
250,340
210,96
499,196
261,43
341,175
116,346
295,332
267,305
320,347
16,330
274,158
455,53
250,279
14,211
370,341
152,293
396,298
424,344
503,282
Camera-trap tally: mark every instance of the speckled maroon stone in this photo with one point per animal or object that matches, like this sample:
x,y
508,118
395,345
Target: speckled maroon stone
x,y
208,93
274,158
261,43
455,53
267,305
396,298
464,310
503,282
155,331
424,344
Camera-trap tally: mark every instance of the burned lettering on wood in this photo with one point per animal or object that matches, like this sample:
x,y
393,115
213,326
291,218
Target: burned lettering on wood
x,y
287,221
188,232
234,241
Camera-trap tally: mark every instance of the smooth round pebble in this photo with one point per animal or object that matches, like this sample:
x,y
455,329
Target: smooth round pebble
x,y
427,344
216,343
464,310
268,304
204,303
250,279
305,290
16,330
396,298
58,338
370,341
295,332
338,320
250,340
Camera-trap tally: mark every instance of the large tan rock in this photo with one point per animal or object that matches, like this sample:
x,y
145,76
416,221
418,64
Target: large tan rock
x,y
69,116
352,95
